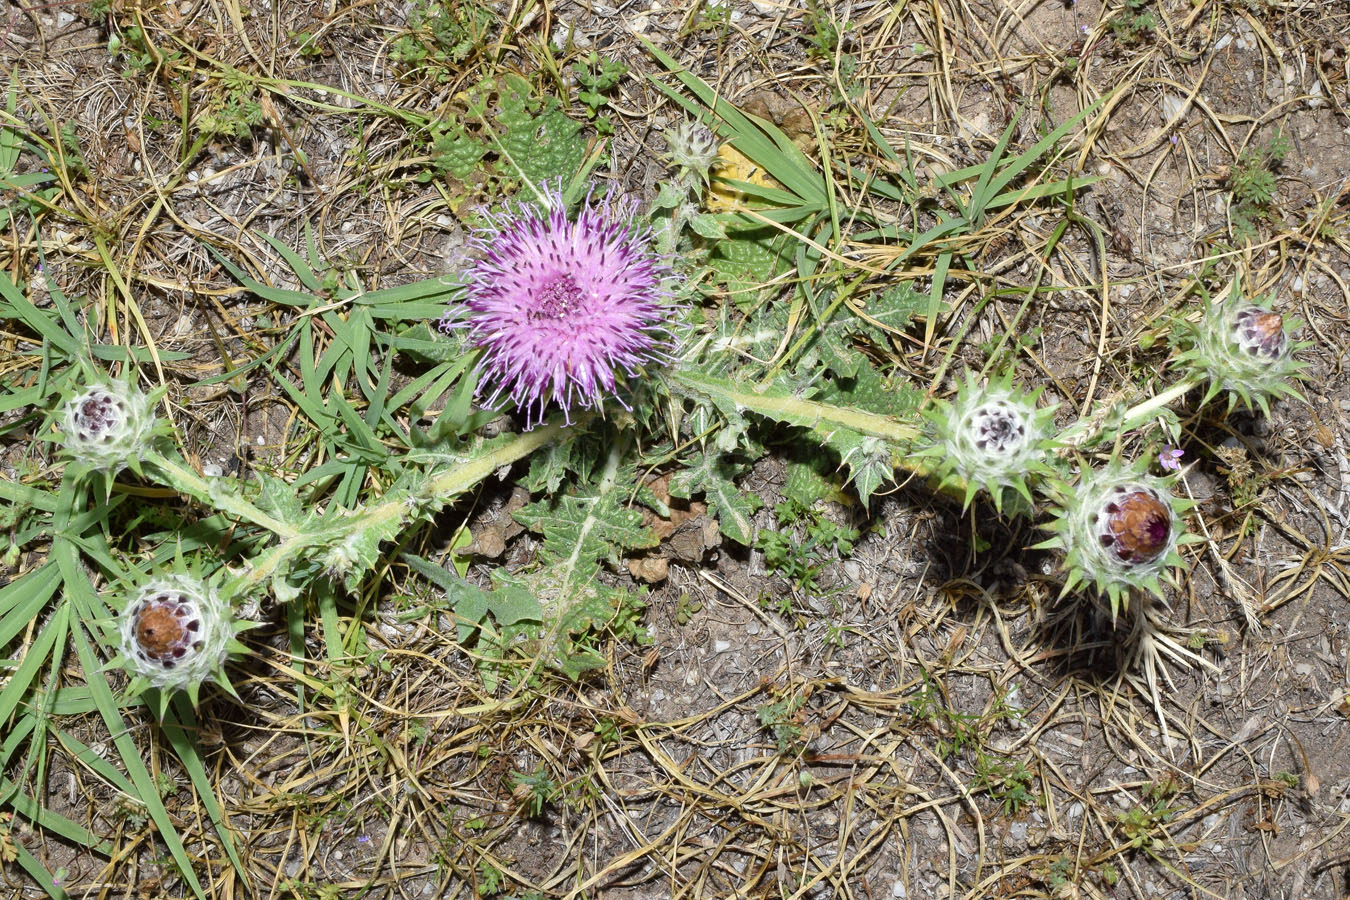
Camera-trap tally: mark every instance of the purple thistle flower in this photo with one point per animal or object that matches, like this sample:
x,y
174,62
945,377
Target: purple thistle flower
x,y
563,308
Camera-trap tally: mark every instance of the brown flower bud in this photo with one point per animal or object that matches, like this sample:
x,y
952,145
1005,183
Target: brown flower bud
x,y
1260,332
1135,525
165,629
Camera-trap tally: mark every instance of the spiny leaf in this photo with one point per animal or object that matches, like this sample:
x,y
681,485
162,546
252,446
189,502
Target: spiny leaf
x,y
582,528
713,474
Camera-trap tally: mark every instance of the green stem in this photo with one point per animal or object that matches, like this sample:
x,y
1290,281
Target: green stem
x,y
218,494
444,486
793,410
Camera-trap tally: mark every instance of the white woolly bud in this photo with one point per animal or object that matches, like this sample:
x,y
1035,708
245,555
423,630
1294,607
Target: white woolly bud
x,y
108,426
176,633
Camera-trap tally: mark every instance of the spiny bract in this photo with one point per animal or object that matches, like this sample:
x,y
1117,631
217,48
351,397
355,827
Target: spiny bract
x,y
176,633
1120,529
108,426
993,437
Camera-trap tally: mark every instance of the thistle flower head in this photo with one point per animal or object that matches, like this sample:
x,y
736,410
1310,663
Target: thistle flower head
x,y
108,426
993,437
1120,530
1244,348
692,148
563,309
176,634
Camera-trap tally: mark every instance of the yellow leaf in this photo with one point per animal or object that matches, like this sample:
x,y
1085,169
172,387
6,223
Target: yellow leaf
x,y
735,165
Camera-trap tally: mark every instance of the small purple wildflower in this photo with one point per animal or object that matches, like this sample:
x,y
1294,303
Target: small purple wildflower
x,y
1170,458
563,308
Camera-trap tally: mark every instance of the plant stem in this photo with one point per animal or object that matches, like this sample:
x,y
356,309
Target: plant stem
x,y
445,485
792,410
217,493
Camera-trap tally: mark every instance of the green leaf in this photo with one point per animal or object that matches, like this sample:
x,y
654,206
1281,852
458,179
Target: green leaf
x,y
539,147
594,527
510,603
713,473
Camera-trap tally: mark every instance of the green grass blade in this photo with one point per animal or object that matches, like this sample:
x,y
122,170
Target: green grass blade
x,y
761,141
41,877
180,727
1020,163
41,322
16,688
940,269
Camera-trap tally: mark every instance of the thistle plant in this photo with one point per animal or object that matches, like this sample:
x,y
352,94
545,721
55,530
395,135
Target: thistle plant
x,y
176,633
1119,529
1242,347
563,309
995,437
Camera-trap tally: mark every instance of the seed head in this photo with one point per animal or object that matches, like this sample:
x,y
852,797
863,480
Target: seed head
x,y
563,309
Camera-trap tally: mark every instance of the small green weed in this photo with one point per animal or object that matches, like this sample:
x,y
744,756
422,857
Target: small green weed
x,y
131,46
1133,24
598,76
782,718
533,791
1252,184
1137,823
806,540
306,44
441,37
825,39
1007,781
233,109
685,608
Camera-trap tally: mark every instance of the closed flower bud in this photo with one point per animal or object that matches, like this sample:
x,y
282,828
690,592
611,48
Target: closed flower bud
x,y
1241,348
176,634
108,426
1260,333
1120,530
1134,525
993,437
693,148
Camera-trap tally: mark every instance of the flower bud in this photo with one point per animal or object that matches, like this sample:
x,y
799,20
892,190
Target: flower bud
x,y
176,633
1134,525
1120,530
108,426
992,437
693,147
1260,333
1242,348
